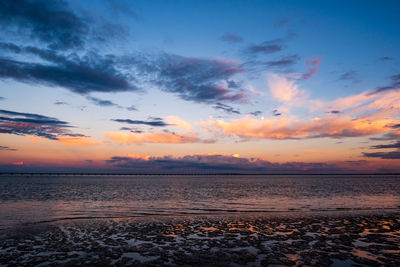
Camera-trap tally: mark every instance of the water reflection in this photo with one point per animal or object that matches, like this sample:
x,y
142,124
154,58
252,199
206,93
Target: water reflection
x,y
28,199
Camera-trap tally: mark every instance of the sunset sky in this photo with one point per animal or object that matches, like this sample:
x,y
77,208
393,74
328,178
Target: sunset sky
x,y
200,86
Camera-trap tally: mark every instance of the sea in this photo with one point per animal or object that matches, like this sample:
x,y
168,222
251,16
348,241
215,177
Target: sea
x,y
32,198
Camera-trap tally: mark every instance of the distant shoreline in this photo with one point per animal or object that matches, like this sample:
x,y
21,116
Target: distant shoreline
x,y
180,174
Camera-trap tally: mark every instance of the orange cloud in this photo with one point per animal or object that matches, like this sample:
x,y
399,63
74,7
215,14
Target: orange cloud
x,y
179,123
160,137
283,89
78,141
299,129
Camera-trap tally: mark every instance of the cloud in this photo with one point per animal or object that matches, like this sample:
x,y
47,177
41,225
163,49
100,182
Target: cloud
x,y
90,73
7,148
256,113
2,98
61,56
312,65
158,137
156,122
385,58
392,145
248,128
283,89
179,123
267,47
276,113
231,38
48,21
60,103
132,108
192,79
217,163
286,61
351,76
18,123
394,85
102,102
395,154
226,108
383,155
78,141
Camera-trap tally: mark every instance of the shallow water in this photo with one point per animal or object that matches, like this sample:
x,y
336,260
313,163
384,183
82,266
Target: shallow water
x,y
29,199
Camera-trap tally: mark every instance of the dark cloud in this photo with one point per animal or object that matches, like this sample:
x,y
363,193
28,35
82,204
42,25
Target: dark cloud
x,y
334,111
385,58
383,155
90,73
121,7
256,113
60,103
351,76
18,123
132,108
157,122
267,47
217,164
393,85
60,57
133,130
395,154
192,79
49,21
276,113
281,22
283,62
226,108
231,38
392,135
102,102
392,145
2,98
7,148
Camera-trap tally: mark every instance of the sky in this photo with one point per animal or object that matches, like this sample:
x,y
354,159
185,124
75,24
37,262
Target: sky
x,y
200,86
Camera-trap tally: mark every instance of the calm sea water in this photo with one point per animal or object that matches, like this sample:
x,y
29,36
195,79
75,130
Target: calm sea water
x,y
31,199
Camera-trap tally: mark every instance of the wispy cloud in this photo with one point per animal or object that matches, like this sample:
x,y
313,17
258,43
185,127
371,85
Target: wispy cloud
x,y
393,85
394,154
383,155
285,61
7,148
12,122
351,76
50,22
156,122
157,137
231,38
226,108
102,102
193,79
265,48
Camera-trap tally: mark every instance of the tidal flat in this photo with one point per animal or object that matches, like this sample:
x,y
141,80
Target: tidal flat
x,y
248,240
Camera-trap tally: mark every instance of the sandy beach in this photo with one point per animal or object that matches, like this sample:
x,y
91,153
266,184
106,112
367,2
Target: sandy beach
x,y
256,240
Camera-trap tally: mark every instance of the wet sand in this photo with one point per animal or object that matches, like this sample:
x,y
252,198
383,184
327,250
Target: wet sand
x,y
317,240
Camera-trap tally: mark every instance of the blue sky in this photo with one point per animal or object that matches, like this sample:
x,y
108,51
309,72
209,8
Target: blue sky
x,y
314,82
